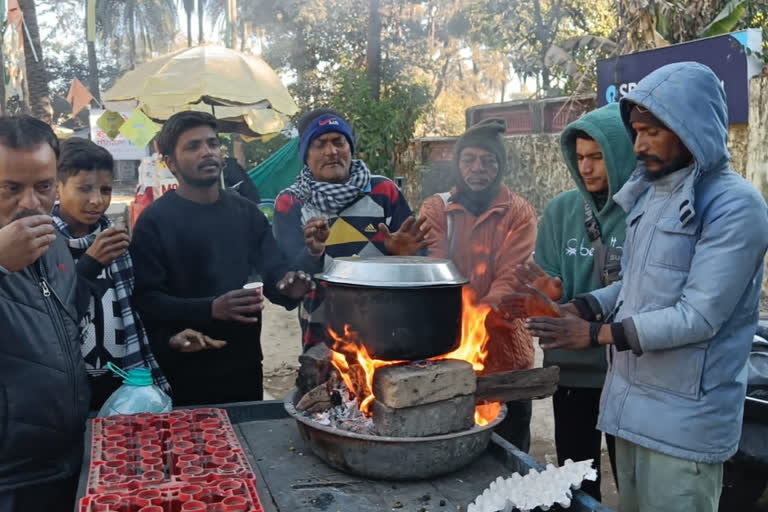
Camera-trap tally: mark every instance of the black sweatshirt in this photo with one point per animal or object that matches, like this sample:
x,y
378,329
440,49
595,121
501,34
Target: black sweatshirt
x,y
186,254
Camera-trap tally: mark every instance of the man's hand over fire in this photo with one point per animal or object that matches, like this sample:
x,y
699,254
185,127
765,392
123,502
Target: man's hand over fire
x,y
316,232
296,284
568,332
530,303
409,239
531,274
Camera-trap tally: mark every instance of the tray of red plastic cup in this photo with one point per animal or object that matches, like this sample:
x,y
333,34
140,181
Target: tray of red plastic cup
x,y
190,449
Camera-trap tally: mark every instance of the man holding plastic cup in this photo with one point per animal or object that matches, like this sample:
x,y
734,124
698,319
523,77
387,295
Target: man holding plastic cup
x,y
194,251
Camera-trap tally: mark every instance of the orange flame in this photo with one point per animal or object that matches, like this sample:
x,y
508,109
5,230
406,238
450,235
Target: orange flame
x,y
486,413
474,336
346,348
348,354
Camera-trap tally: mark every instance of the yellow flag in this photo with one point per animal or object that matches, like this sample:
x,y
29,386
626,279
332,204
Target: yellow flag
x,y
139,129
90,20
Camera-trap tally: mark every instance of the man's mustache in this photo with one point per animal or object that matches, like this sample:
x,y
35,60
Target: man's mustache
x,y
27,213
649,158
206,163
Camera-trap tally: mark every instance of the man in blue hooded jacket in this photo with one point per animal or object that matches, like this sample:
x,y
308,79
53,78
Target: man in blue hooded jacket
x,y
681,320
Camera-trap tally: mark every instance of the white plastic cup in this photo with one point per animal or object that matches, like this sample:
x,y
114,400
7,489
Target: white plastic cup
x,y
256,285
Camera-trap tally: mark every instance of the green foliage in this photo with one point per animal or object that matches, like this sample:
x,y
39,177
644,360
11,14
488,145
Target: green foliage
x,y
727,20
380,127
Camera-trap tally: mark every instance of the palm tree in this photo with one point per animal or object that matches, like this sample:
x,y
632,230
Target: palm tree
x,y
189,8
37,77
153,20
200,8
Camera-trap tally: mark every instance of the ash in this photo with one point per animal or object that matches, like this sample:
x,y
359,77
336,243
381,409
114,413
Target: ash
x,y
345,416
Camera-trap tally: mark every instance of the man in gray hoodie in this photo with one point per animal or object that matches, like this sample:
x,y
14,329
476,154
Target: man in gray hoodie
x,y
680,322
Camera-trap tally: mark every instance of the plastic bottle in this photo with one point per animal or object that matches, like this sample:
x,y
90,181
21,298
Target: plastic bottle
x,y
137,394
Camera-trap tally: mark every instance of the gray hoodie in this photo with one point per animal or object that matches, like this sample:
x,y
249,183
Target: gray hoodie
x,y
692,271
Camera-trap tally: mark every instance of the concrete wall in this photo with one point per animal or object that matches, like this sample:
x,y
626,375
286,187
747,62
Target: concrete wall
x,y
757,147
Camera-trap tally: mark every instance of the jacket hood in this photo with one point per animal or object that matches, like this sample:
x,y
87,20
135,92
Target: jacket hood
x,y
688,98
605,126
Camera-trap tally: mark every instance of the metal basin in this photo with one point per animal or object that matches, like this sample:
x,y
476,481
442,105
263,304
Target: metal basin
x,y
392,458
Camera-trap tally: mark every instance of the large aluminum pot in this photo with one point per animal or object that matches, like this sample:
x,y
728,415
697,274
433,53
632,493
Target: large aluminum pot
x,y
405,308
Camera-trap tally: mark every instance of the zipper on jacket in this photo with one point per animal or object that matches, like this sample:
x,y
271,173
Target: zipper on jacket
x,y
58,322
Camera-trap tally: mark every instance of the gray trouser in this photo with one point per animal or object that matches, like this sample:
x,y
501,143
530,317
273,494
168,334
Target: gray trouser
x,y
650,481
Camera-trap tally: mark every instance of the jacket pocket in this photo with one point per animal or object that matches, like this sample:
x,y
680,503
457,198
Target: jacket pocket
x,y
676,370
673,244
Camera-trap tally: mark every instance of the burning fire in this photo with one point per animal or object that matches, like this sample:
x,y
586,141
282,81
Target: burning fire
x,y
356,367
486,413
346,348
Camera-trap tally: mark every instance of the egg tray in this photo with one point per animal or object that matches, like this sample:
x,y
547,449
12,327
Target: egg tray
x,y
144,450
231,495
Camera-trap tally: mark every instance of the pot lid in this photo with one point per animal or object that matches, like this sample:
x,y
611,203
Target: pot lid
x,y
392,272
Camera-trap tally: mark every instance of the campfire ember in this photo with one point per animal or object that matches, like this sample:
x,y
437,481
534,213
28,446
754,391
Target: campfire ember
x,y
356,368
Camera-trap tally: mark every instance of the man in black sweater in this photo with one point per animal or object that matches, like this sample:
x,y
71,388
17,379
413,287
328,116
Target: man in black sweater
x,y
193,250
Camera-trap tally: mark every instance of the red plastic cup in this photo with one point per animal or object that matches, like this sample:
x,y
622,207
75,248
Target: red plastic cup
x,y
114,466
190,492
117,430
108,500
143,418
151,495
109,483
150,451
230,468
210,423
216,445
183,447
175,416
221,457
187,460
188,472
235,503
137,503
193,506
116,453
209,434
148,437
230,487
153,476
180,425
115,440
151,464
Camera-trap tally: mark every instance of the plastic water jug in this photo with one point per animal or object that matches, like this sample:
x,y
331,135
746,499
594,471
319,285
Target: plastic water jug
x,y
137,394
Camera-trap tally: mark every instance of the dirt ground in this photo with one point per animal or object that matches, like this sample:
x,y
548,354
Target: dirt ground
x,y
281,343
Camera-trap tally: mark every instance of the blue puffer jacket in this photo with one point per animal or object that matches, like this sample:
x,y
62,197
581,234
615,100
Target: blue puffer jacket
x,y
692,272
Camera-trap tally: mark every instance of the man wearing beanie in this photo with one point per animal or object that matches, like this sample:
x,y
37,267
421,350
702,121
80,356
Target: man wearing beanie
x,y
680,322
338,208
487,230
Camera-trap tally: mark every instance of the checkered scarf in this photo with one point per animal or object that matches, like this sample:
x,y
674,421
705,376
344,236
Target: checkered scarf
x,y
137,350
331,198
